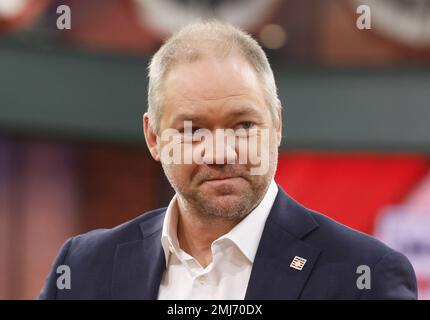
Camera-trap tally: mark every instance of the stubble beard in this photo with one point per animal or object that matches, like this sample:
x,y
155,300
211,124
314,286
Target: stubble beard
x,y
197,203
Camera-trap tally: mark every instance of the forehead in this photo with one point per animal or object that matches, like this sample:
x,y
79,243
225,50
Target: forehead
x,y
213,87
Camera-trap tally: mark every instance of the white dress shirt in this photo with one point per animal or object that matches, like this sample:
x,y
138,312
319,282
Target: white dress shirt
x,y
227,276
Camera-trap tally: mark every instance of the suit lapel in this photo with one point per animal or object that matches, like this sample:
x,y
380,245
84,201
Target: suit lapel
x,y
139,265
272,277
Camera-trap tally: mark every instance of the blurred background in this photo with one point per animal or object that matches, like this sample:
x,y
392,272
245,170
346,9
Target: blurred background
x,y
72,155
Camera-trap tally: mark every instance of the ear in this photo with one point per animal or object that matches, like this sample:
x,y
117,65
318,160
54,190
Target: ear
x,y
150,138
279,126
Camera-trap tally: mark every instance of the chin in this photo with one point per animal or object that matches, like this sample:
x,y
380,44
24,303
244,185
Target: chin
x,y
227,206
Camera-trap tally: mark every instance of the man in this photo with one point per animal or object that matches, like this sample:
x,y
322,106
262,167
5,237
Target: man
x,y
229,232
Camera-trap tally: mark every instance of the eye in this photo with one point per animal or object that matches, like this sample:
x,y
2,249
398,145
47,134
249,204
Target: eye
x,y
188,135
246,125
243,129
193,130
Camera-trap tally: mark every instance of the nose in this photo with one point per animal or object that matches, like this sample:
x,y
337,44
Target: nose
x,y
223,150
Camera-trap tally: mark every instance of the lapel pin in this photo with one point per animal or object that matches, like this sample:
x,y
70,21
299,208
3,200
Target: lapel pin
x,y
298,263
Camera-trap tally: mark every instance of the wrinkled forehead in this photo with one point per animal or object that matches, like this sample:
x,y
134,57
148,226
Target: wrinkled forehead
x,y
211,73
206,86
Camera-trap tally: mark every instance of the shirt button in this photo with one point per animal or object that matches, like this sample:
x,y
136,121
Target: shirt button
x,y
202,280
170,249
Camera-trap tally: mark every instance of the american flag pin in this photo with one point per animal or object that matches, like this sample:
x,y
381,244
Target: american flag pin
x,y
298,263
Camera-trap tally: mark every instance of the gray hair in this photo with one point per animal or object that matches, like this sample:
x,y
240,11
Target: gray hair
x,y
201,39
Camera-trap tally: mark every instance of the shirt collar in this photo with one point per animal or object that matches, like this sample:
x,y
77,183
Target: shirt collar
x,y
246,234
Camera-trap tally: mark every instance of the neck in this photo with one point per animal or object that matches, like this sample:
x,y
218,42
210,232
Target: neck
x,y
196,234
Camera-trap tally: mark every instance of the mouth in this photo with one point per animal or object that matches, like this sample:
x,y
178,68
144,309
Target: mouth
x,y
219,180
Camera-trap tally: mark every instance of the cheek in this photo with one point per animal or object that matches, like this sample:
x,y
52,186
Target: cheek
x,y
180,173
258,146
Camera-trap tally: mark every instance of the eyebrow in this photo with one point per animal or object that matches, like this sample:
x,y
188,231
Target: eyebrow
x,y
186,117
237,112
243,111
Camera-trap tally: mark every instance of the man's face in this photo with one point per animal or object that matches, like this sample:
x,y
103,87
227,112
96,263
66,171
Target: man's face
x,y
218,94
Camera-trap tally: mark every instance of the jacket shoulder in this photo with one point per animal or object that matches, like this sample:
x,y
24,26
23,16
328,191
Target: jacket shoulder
x,y
99,239
345,251
334,236
90,257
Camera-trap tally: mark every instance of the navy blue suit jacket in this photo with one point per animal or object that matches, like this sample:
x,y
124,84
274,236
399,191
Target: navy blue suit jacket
x,y
127,262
